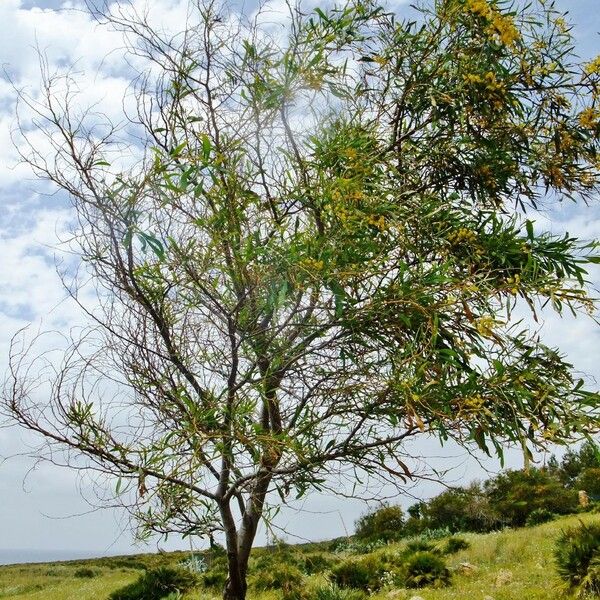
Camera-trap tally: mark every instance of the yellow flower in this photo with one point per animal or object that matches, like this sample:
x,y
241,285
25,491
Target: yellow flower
x,y
485,326
593,67
588,118
479,7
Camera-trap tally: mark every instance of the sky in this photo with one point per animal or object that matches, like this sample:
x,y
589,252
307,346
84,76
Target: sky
x,y
42,507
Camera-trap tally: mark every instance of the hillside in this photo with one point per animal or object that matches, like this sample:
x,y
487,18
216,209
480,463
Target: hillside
x,y
508,565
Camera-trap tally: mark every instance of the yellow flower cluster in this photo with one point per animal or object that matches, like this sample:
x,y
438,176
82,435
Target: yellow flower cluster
x,y
313,81
473,403
593,67
485,326
515,283
378,222
462,236
494,90
500,25
311,264
589,118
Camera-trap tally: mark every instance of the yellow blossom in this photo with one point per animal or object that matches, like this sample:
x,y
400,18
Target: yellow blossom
x,y
589,118
593,67
485,326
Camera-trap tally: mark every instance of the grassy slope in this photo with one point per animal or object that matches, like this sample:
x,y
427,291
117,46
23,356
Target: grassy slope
x,y
514,564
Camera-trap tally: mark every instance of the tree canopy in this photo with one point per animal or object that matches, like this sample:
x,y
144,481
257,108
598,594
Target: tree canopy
x,y
314,253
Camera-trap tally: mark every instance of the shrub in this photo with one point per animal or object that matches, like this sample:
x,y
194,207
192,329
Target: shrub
x,y
214,578
589,480
279,576
516,494
363,573
461,509
425,569
577,556
418,545
85,573
386,524
156,584
334,592
454,545
539,516
316,563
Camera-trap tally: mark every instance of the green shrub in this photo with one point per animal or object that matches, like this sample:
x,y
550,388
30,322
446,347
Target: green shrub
x,y
386,523
461,509
577,556
85,573
157,583
589,480
516,494
418,545
334,592
316,563
364,573
214,578
539,516
279,576
454,545
425,569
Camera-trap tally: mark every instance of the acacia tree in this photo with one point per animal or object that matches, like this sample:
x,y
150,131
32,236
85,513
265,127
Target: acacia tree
x,y
314,253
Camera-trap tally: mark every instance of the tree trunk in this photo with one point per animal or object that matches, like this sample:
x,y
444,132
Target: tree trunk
x,y
234,592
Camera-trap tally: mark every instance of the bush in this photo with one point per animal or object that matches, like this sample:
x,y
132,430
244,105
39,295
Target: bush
x,y
333,592
425,569
85,573
577,556
316,563
156,584
418,545
386,523
363,573
454,545
461,509
539,516
516,494
589,480
279,576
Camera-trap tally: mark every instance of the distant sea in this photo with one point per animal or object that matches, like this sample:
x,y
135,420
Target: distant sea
x,y
11,557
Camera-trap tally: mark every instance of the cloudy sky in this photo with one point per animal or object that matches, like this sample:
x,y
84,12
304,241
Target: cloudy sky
x,y
41,506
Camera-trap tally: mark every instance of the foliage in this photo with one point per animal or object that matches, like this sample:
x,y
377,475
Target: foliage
x,y
589,480
156,584
516,494
85,573
364,573
385,523
278,576
312,254
316,562
195,563
418,545
577,556
461,509
538,516
425,569
455,544
575,462
216,574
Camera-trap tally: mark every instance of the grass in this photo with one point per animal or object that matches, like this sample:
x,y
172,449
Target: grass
x,y
504,566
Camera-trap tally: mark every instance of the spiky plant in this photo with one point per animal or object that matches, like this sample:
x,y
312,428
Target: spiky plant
x,y
577,556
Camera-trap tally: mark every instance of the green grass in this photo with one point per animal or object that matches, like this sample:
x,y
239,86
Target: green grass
x,y
508,565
